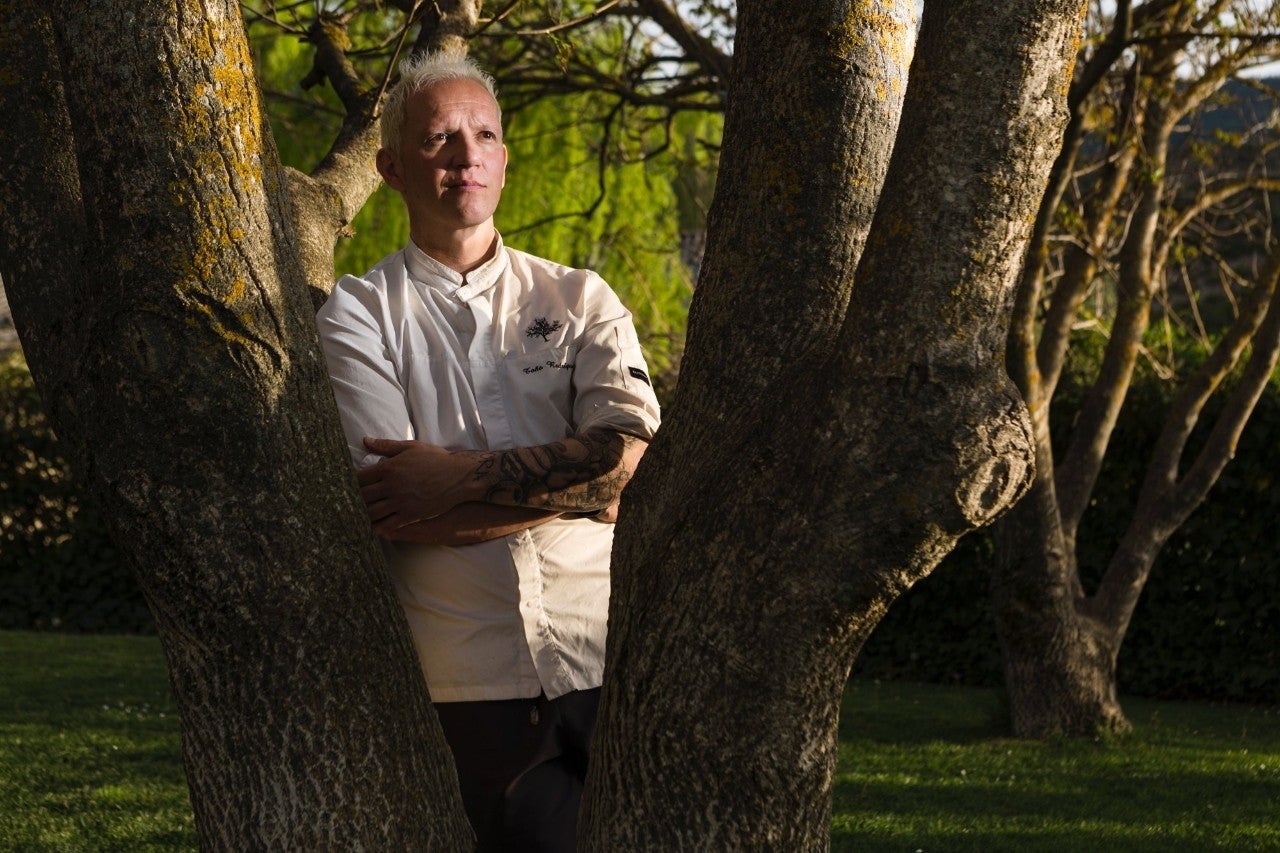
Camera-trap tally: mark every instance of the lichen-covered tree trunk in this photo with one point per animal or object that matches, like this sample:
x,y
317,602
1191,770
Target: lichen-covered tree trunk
x,y
158,292
801,485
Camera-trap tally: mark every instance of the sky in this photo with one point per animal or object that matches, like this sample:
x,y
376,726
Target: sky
x,y
1271,69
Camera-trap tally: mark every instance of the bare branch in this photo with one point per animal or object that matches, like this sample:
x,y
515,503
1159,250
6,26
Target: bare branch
x,y
549,28
702,50
395,55
329,35
1164,502
446,25
1251,331
1206,201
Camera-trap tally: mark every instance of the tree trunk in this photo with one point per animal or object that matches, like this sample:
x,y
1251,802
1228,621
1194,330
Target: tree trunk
x,y
160,300
775,520
1059,662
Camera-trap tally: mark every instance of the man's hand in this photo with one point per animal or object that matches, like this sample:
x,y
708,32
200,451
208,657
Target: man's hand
x,y
609,515
413,482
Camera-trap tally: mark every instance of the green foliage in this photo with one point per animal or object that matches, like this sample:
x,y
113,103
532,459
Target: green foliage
x,y
565,201
58,567
89,743
574,193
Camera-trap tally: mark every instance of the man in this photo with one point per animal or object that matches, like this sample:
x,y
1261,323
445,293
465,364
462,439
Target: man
x,y
495,404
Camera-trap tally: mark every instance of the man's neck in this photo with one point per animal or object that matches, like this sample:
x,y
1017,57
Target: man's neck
x,y
460,251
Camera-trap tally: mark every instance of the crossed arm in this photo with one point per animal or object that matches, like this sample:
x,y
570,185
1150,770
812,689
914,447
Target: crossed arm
x,y
423,493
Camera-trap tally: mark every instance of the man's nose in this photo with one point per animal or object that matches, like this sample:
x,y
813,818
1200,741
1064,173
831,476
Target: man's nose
x,y
466,153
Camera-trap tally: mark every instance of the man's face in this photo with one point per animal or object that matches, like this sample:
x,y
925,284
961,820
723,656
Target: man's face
x,y
451,164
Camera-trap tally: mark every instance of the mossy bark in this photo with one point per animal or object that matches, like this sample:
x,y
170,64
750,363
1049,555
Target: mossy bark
x,y
843,414
159,295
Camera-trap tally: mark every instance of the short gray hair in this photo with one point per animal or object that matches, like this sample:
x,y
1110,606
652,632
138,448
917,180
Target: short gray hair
x,y
416,74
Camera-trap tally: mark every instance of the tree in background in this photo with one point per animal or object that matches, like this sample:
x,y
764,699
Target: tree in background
x,y
842,419
1142,219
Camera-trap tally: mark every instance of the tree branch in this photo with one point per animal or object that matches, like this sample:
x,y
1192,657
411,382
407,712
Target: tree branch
x,y
1082,462
1262,336
446,25
1164,502
1207,200
714,61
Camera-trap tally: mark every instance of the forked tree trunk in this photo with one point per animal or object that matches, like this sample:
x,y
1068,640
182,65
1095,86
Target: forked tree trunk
x,y
801,485
157,289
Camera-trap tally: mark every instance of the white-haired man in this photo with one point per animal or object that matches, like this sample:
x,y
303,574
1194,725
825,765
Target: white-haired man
x,y
495,404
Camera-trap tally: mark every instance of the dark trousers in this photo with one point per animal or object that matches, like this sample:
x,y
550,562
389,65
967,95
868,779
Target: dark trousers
x,y
522,764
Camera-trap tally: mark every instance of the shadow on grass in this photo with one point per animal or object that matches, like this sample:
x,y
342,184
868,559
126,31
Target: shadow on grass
x,y
929,768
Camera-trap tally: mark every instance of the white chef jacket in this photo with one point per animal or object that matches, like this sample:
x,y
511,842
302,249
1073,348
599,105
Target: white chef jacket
x,y
520,352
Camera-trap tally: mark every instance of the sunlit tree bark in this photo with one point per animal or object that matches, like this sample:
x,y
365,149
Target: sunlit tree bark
x,y
156,283
843,415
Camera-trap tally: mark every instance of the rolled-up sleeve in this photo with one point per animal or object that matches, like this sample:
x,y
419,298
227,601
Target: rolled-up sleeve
x,y
371,400
612,386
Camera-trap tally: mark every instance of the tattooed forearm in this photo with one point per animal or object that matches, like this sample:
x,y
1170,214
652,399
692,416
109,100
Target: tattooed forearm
x,y
585,472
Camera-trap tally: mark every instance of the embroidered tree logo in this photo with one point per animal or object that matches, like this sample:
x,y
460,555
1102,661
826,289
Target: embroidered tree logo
x,y
542,328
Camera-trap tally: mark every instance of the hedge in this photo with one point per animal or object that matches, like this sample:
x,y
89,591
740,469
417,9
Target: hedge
x,y
1207,627
58,566
1208,623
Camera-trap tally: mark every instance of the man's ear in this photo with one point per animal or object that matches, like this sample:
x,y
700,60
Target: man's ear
x,y
389,168
505,159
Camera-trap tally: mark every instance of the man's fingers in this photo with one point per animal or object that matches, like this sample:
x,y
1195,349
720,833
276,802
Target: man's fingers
x,y
386,446
382,514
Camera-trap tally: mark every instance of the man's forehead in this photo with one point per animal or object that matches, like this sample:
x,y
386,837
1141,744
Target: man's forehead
x,y
449,95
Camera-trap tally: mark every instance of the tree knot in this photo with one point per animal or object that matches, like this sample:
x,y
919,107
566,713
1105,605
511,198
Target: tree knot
x,y
998,462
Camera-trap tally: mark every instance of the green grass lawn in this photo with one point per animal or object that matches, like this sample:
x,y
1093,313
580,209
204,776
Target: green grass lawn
x,y
89,754
927,768
89,762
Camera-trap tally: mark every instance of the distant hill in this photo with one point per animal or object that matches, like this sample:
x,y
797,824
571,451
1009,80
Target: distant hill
x,y
1239,106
